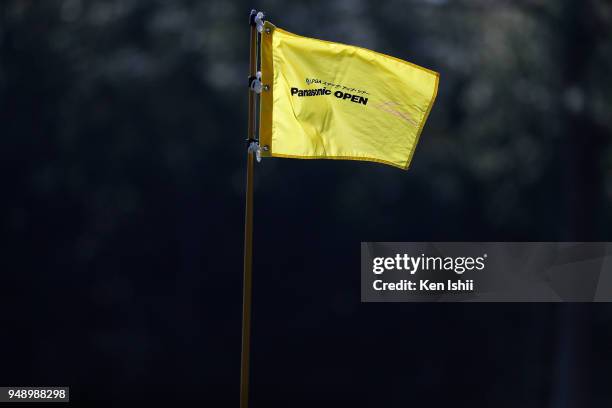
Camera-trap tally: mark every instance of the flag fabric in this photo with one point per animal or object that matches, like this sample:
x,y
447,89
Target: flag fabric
x,y
325,100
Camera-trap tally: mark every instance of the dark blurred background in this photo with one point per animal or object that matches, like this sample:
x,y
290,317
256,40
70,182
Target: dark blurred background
x,y
122,127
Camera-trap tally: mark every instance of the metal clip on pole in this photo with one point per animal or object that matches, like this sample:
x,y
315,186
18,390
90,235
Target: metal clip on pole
x,y
255,83
257,20
253,147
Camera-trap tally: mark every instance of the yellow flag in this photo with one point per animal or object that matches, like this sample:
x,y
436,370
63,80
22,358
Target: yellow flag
x,y
324,100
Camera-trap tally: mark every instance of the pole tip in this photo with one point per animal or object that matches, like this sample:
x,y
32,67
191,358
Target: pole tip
x,y
256,18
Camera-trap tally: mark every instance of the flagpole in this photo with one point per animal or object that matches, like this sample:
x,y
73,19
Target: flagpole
x,y
248,229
